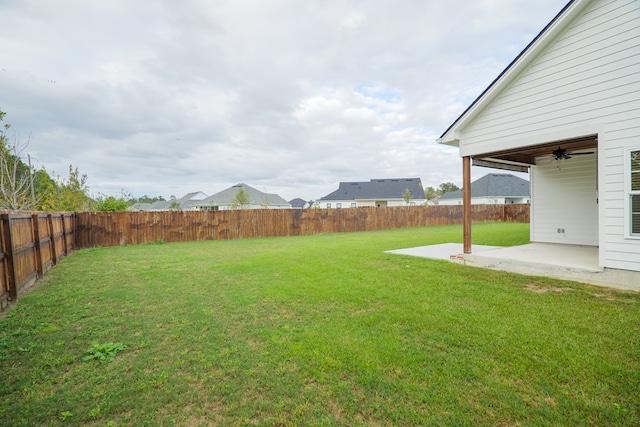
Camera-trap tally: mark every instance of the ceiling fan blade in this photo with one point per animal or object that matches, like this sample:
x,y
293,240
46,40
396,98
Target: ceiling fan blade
x,y
562,154
578,154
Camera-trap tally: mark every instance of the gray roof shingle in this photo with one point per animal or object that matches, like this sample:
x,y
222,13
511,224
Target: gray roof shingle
x,y
377,189
256,197
298,203
494,185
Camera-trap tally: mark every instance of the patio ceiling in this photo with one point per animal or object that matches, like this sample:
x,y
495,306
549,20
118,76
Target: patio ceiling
x,y
519,159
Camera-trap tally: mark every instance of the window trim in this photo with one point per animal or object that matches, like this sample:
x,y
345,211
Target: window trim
x,y
628,194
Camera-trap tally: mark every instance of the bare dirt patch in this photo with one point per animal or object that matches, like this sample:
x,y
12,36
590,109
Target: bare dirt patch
x,y
544,289
611,297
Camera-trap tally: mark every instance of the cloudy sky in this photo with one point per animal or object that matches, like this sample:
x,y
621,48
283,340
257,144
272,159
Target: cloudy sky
x,y
288,96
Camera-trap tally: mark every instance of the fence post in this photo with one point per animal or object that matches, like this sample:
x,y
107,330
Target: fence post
x,y
8,244
36,238
74,230
52,236
64,236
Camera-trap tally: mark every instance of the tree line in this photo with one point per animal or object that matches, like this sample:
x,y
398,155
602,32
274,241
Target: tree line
x,y
445,187
26,188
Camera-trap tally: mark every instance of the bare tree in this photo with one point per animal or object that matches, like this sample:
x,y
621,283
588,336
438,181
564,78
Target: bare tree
x,y
16,184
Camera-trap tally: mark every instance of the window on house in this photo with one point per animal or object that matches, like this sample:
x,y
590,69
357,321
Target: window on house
x,y
353,205
634,194
328,205
338,205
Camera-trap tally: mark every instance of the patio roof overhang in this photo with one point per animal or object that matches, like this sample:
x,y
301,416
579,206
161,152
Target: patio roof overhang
x,y
520,159
515,159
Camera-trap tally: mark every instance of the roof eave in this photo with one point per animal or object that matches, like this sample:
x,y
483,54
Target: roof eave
x,y
452,140
451,136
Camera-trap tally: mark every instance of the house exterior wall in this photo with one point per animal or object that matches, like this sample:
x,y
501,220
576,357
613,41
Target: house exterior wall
x,y
401,202
487,201
474,201
565,208
587,76
224,207
516,200
585,81
333,204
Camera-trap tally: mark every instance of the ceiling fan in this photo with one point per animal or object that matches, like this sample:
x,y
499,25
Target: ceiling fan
x,y
561,153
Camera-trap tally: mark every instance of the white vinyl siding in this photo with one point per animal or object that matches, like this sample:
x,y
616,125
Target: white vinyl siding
x,y
486,201
587,75
565,208
634,193
618,248
584,81
370,203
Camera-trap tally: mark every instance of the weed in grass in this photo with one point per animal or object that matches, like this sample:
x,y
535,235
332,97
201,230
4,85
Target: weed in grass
x,y
104,352
94,413
159,241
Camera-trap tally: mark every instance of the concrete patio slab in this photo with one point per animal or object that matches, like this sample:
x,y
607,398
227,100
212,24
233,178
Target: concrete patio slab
x,y
569,262
548,254
441,251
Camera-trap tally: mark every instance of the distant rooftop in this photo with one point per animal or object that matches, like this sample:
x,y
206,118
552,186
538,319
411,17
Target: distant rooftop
x,y
494,185
377,189
256,197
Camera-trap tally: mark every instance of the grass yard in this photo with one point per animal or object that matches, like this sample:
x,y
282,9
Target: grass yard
x,y
316,330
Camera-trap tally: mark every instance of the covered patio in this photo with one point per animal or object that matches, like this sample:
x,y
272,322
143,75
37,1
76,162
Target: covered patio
x,y
569,262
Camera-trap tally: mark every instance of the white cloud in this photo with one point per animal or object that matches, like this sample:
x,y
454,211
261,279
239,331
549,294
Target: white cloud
x,y
291,97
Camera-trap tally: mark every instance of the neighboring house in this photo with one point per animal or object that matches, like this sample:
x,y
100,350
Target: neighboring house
x,y
226,200
298,203
375,193
435,201
140,207
492,189
184,203
187,202
574,90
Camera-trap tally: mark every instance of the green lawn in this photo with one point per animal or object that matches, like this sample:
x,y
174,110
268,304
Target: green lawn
x,y
316,330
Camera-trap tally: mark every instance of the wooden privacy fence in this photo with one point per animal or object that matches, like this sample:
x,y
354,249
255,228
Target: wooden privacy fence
x,y
30,245
131,228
